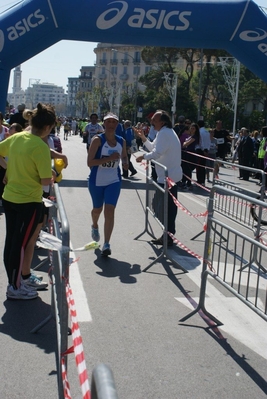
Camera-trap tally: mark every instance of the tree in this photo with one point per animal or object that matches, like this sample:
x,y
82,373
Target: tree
x,y
212,94
161,55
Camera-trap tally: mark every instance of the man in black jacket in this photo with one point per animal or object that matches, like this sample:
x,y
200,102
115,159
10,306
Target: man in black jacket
x,y
245,153
18,117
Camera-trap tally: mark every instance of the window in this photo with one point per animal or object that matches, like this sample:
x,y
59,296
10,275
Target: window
x,y
136,70
137,56
114,70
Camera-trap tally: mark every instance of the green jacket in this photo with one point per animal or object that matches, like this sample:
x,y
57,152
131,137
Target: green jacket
x,y
261,152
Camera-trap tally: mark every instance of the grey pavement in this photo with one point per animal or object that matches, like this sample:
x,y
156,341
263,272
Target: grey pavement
x,y
129,319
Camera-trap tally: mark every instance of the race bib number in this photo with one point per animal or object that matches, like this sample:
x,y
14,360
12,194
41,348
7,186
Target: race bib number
x,y
220,141
109,164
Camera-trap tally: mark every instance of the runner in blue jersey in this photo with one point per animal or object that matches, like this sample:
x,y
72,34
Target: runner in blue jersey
x,y
104,155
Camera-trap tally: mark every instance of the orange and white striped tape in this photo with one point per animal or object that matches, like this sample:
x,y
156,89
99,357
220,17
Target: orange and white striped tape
x,y
78,345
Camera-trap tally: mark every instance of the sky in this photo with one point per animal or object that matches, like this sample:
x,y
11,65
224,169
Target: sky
x,y
60,61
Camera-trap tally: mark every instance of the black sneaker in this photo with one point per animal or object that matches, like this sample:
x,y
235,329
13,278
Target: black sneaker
x,y
159,241
133,173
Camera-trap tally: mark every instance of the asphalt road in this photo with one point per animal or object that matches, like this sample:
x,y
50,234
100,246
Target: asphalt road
x,y
129,319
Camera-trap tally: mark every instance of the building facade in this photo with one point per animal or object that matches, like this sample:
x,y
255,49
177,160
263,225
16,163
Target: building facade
x,y
18,95
47,93
117,70
80,90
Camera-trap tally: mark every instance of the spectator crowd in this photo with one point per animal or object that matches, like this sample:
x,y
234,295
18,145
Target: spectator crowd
x,y
186,147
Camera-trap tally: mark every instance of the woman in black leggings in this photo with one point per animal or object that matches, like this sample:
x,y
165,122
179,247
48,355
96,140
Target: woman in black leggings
x,y
28,168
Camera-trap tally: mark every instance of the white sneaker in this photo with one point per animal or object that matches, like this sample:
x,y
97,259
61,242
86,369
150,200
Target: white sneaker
x,y
23,292
35,283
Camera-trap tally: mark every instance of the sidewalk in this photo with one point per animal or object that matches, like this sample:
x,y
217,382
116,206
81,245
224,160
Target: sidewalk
x,y
27,360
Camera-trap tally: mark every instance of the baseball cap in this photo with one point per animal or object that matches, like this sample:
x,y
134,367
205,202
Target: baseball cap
x,y
181,119
110,115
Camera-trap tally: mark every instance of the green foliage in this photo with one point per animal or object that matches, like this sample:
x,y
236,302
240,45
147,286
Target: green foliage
x,y
208,90
218,112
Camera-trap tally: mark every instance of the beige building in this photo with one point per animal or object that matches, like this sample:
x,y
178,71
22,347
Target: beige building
x,y
117,70
119,65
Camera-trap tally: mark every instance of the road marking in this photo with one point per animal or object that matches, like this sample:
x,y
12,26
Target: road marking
x,y
79,295
239,321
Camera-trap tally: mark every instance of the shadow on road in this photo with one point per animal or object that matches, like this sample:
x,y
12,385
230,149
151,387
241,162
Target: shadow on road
x,y
111,268
21,317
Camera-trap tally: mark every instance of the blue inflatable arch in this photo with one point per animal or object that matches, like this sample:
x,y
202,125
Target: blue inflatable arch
x,y
31,26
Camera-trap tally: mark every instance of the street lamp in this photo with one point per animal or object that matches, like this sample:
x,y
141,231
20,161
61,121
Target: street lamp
x,y
137,78
31,90
171,83
113,91
231,77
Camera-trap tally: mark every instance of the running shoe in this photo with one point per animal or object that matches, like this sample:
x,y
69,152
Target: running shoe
x,y
23,292
39,276
106,251
95,234
35,283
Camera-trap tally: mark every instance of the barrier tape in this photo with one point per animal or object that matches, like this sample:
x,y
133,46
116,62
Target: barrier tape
x,y
66,386
171,183
260,238
78,346
190,252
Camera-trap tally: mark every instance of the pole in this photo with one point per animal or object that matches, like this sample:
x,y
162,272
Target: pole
x,y
136,86
236,96
174,89
200,85
119,101
171,84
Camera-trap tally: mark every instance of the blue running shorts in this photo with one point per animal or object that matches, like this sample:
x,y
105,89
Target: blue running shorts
x,y
104,194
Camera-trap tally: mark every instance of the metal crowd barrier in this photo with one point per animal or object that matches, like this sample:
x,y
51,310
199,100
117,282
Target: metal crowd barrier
x,y
240,211
228,206
102,383
157,206
59,263
227,261
103,386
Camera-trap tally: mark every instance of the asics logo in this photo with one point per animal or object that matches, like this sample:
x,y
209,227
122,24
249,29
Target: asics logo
x,y
145,19
22,27
106,22
253,36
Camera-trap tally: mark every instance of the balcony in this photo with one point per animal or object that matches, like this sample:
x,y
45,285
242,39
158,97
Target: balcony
x,y
124,76
136,61
102,76
103,61
113,62
125,61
